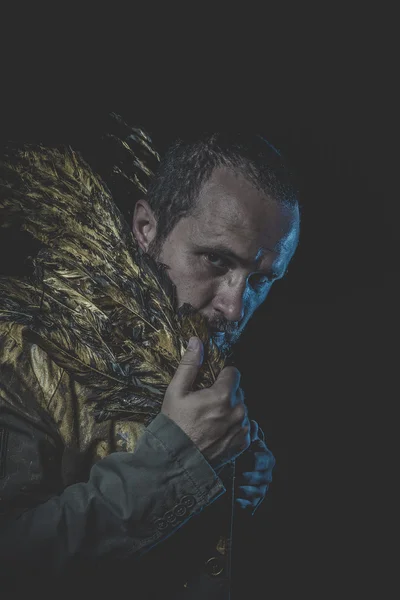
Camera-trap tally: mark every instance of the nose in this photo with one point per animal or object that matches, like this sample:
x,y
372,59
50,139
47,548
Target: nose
x,y
230,302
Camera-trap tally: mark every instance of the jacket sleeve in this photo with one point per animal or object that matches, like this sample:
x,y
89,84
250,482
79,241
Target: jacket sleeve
x,y
132,500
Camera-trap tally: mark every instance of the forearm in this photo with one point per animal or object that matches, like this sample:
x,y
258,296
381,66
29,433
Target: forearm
x,y
131,502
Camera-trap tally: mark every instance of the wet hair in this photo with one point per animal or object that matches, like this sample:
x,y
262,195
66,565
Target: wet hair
x,y
189,163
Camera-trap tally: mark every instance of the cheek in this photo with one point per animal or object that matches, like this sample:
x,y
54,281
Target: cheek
x,y
197,293
191,285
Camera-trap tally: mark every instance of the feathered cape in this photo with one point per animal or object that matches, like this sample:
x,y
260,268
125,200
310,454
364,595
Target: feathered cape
x,y
100,307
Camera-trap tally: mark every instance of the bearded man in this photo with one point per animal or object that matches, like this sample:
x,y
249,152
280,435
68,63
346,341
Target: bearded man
x,y
118,443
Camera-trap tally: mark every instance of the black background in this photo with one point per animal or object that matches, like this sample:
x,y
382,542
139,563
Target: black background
x,y
312,358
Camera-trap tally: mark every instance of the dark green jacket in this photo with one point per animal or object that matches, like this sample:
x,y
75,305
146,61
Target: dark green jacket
x,y
107,500
135,515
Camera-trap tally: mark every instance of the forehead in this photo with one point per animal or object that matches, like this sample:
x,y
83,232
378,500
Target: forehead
x,y
232,211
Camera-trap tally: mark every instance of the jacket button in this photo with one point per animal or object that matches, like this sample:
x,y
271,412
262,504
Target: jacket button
x,y
188,501
180,510
170,517
161,524
214,566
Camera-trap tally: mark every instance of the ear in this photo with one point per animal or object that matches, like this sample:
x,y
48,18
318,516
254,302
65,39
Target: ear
x,y
144,224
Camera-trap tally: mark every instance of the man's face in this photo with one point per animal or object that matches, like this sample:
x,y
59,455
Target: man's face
x,y
224,258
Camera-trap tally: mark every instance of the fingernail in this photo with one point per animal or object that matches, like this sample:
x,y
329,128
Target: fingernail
x,y
193,343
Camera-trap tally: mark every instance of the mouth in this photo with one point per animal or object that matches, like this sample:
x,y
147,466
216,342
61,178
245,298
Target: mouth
x,y
221,337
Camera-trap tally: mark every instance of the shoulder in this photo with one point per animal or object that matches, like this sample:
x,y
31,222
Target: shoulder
x,y
28,376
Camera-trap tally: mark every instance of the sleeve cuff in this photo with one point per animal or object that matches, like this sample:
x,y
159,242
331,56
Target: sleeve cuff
x,y
181,448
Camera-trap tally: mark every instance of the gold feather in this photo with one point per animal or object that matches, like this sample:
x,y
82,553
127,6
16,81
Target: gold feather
x,y
100,307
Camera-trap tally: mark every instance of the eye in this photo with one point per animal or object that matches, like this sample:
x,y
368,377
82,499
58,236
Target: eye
x,y
260,281
214,259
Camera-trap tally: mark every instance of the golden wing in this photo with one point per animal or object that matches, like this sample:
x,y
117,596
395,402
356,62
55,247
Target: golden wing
x,y
102,309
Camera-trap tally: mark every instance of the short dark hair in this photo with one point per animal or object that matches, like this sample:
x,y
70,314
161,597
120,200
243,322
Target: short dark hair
x,y
188,164
127,160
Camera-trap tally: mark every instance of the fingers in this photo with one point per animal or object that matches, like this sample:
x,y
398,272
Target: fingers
x,y
255,478
239,433
188,368
229,378
251,492
250,497
263,458
256,432
249,504
244,503
253,430
261,434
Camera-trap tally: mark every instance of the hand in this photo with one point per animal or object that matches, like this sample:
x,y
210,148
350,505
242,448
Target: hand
x,y
214,418
253,472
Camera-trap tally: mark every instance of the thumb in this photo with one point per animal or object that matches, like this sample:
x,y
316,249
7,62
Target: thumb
x,y
189,366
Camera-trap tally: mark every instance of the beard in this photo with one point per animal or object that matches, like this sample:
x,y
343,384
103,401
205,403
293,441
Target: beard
x,y
224,334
